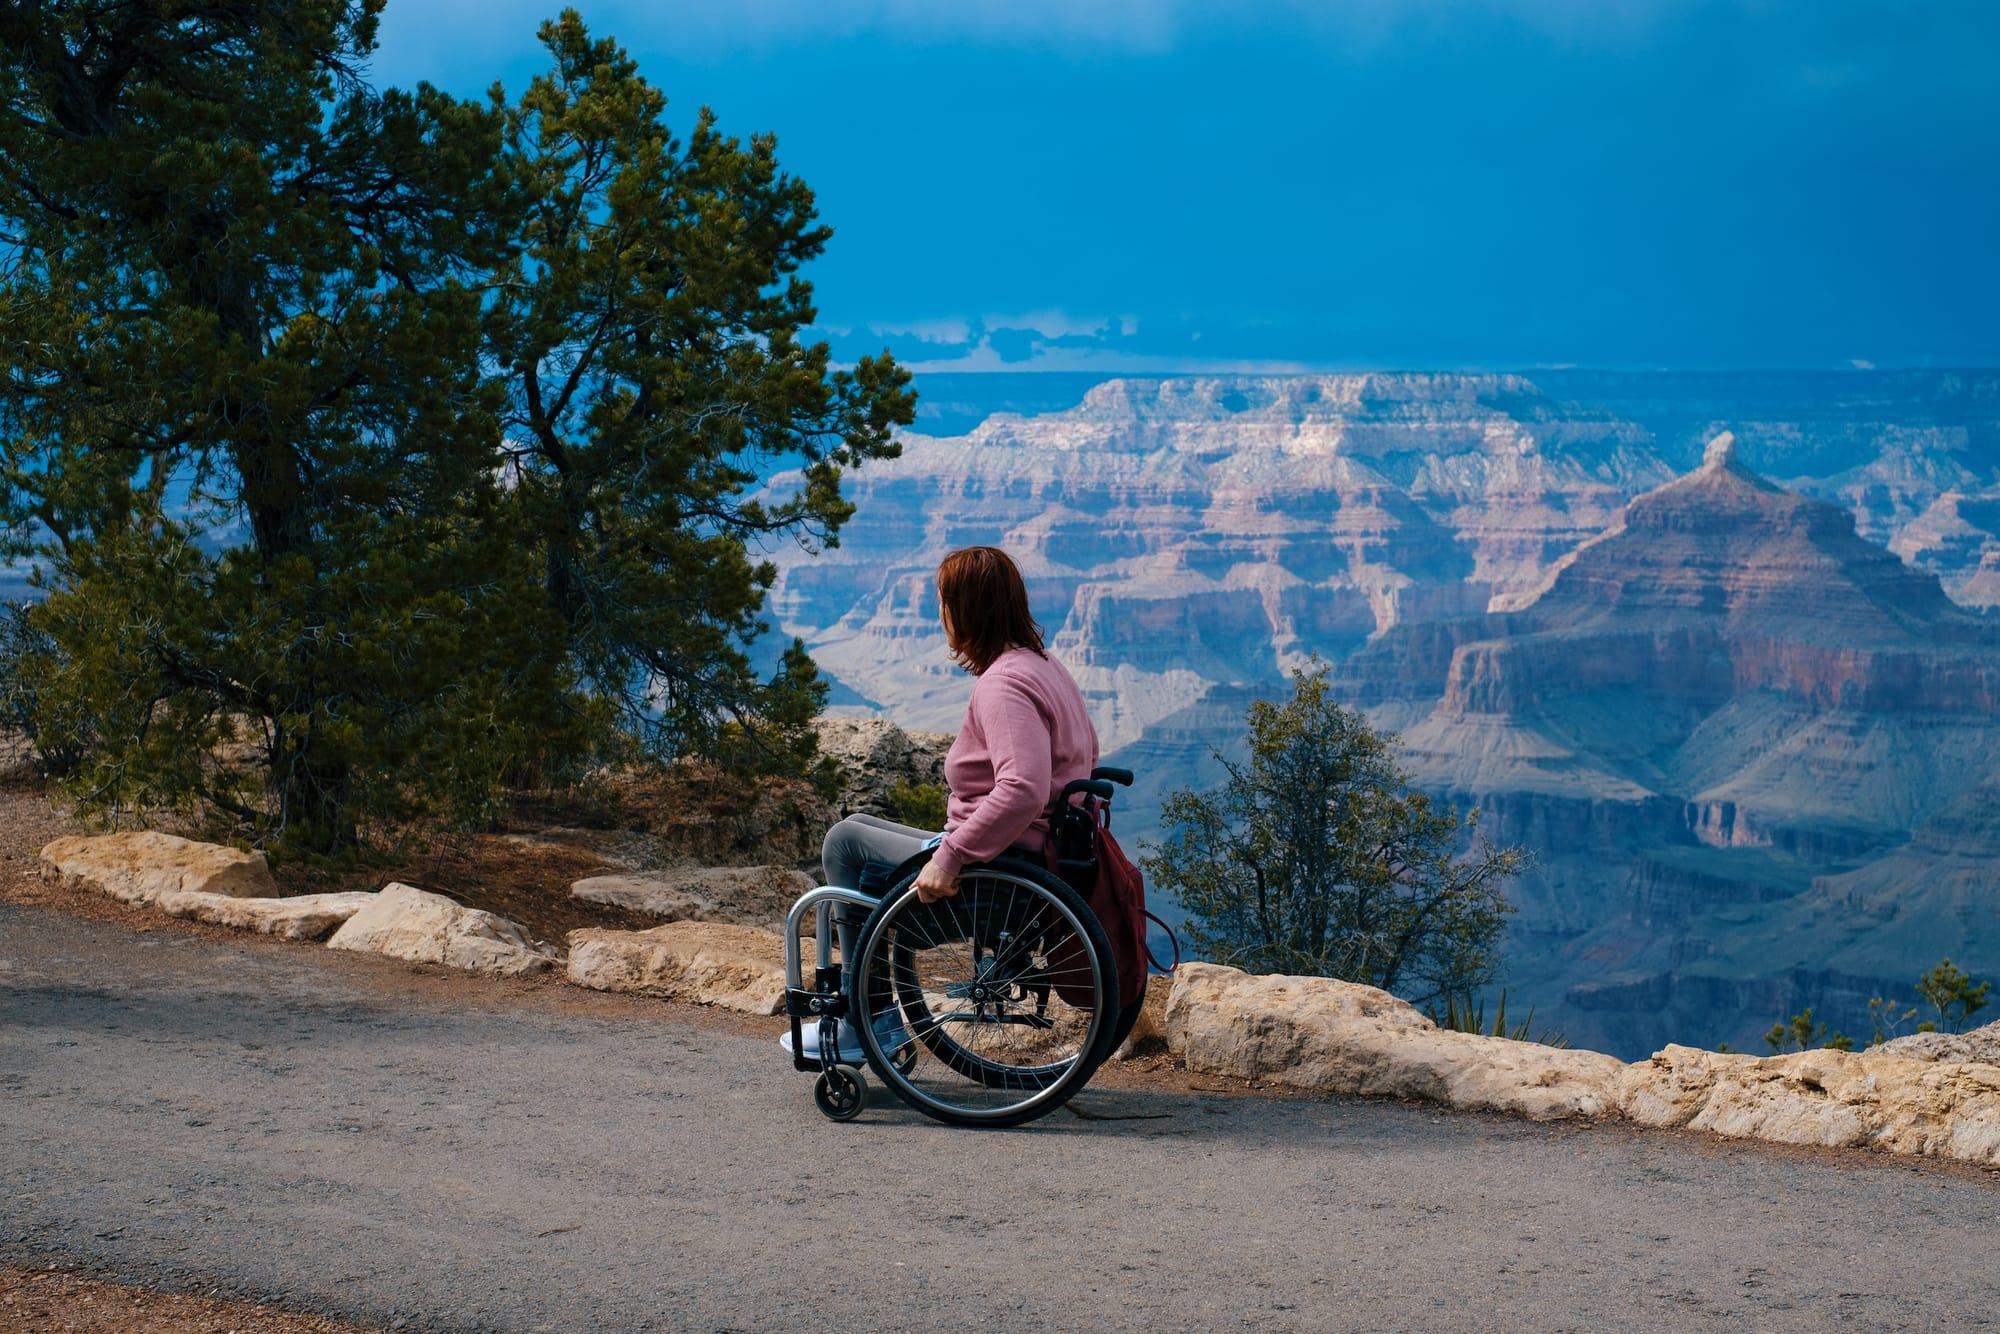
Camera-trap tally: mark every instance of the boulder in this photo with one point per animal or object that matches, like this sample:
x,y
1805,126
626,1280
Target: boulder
x,y
142,865
1837,1099
1338,1037
876,755
306,917
1981,1044
404,922
709,963
742,895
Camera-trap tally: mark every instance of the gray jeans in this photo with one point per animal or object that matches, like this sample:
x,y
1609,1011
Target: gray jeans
x,y
867,838
857,840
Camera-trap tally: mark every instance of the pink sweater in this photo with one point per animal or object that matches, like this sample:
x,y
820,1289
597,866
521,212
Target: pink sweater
x,y
1025,734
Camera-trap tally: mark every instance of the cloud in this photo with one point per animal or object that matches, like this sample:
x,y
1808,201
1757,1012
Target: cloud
x,y
1043,340
951,329
1029,338
1141,27
697,27
1060,324
1113,361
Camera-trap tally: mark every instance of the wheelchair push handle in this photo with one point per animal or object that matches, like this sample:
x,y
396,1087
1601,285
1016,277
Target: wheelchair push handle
x,y
1096,787
1098,784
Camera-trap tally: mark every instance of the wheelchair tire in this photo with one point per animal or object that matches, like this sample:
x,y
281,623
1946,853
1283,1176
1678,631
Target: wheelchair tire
x,y
841,1092
968,981
1128,1017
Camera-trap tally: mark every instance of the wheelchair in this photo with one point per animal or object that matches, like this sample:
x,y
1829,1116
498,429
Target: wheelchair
x,y
990,1007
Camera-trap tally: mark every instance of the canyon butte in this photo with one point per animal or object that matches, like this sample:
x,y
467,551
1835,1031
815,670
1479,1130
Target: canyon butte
x,y
1715,648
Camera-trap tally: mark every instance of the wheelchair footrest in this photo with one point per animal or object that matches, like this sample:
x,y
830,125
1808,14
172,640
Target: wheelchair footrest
x,y
803,1004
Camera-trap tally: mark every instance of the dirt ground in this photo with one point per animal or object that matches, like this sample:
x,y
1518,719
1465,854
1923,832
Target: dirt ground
x,y
522,869
36,1300
525,878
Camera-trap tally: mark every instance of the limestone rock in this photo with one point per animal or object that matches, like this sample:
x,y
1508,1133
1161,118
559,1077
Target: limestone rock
x,y
710,963
1981,1045
1836,1099
306,917
876,755
1336,1037
404,922
743,895
140,866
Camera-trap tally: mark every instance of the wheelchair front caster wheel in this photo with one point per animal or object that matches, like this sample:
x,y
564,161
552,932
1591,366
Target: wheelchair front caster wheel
x,y
841,1092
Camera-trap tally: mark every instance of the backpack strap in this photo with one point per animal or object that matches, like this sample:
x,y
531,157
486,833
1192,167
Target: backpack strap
x,y
1154,959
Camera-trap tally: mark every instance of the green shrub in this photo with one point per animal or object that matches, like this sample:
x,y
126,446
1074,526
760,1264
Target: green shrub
x,y
919,804
1802,1033
1317,857
1461,1013
1952,994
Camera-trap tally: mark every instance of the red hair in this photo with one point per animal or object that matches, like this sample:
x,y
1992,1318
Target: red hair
x,y
985,607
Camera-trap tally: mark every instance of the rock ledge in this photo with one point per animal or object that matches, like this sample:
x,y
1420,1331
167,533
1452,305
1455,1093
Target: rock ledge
x,y
141,866
404,922
709,963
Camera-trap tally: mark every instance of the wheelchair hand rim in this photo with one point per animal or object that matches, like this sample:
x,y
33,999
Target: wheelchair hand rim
x,y
1055,1090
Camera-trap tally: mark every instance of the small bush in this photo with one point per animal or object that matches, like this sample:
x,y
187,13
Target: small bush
x,y
1462,1014
918,804
1952,994
1887,1018
1802,1033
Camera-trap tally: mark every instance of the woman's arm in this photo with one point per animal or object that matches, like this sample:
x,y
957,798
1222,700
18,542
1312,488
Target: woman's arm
x,y
1018,742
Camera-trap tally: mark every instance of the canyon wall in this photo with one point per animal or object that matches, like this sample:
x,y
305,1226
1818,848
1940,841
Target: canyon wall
x,y
1727,720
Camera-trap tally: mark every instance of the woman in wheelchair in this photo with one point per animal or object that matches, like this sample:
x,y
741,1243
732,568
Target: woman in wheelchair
x,y
972,978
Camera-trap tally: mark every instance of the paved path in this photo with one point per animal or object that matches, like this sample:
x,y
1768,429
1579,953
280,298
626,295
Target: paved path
x,y
322,1130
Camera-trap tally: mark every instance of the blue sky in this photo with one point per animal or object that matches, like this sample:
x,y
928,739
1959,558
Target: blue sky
x,y
1143,185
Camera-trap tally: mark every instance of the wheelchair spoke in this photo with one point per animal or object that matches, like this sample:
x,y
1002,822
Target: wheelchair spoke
x,y
971,990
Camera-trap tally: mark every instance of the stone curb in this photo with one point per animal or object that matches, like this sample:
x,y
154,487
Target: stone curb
x,y
1310,1033
1327,1036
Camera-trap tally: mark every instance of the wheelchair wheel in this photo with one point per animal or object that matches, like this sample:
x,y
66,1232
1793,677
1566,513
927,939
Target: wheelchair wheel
x,y
841,1092
1006,991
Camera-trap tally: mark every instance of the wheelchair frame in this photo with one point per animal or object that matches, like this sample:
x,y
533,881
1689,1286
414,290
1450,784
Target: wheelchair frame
x,y
840,1090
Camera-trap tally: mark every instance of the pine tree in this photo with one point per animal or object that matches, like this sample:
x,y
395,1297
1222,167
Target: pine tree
x,y
1316,857
374,443
648,327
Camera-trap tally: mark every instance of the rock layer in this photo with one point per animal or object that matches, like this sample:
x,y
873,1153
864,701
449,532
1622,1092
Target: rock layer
x,y
744,895
1701,726
404,922
304,917
1337,1037
707,963
1835,1099
141,866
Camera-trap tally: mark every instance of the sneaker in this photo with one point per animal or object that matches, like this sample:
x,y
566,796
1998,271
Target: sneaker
x,y
888,1027
850,1052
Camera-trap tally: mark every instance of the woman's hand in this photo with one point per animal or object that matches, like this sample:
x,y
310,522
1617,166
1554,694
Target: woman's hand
x,y
933,884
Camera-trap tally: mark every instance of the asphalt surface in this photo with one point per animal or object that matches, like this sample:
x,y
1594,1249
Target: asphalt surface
x,y
323,1131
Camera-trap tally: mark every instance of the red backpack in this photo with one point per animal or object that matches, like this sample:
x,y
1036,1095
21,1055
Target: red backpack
x,y
1082,851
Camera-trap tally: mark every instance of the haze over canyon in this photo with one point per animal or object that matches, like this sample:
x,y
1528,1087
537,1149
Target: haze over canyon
x,y
1715,647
